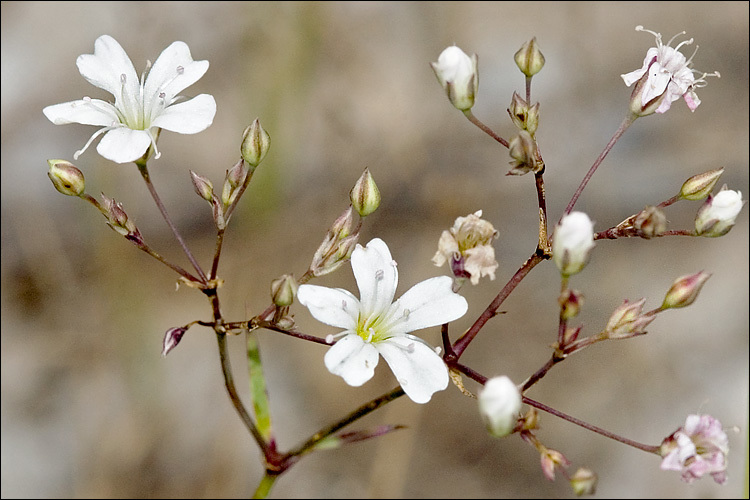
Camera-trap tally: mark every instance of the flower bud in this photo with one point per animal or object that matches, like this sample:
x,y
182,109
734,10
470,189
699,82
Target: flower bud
x,y
551,459
171,338
255,144
529,58
66,177
458,75
523,150
650,222
570,303
467,247
202,186
337,246
283,290
118,220
572,243
628,321
499,404
685,290
234,178
524,117
584,482
699,186
719,213
639,107
365,195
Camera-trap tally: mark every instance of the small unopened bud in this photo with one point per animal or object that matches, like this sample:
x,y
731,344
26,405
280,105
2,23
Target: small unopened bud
x,y
118,220
628,320
337,246
570,303
233,180
584,482
524,117
458,75
551,459
283,290
650,222
529,58
202,186
365,195
66,177
699,186
499,404
523,150
718,213
685,290
171,338
255,144
572,243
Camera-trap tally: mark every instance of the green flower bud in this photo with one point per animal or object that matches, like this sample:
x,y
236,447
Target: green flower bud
x,y
255,144
529,58
699,186
202,186
685,290
365,196
283,290
66,177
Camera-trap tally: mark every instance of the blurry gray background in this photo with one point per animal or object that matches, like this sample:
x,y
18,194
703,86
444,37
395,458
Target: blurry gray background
x,y
90,409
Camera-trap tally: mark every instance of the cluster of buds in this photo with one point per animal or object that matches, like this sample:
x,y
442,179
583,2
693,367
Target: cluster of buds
x,y
118,220
467,246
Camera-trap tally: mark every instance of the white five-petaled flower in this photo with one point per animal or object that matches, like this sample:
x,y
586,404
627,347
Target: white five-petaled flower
x,y
699,447
374,325
669,75
572,242
142,106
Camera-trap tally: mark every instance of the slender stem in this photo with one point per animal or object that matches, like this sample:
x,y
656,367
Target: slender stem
x,y
217,254
627,122
143,169
268,325
541,372
265,485
462,343
544,244
161,259
528,89
473,119
471,373
645,447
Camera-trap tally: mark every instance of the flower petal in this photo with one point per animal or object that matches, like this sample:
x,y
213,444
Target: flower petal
x,y
352,359
86,112
167,78
376,275
189,117
332,306
429,303
419,370
109,68
123,145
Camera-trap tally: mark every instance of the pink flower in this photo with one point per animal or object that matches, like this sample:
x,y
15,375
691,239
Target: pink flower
x,y
669,75
699,447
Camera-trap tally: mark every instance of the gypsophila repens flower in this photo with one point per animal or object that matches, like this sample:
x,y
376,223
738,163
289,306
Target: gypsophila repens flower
x,y
699,447
142,106
458,75
670,75
467,247
374,325
719,213
499,404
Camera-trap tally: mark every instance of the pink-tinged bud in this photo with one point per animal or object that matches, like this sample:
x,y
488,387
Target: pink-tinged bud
x,y
365,196
529,58
572,243
551,459
118,220
171,338
685,290
719,213
523,150
650,222
628,320
66,177
255,144
499,404
283,290
202,186
699,186
570,303
458,75
584,482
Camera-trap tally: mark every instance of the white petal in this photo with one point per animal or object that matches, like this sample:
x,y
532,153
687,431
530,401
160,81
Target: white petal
x,y
419,370
164,75
105,67
93,112
189,117
633,76
376,276
332,306
429,303
123,145
353,359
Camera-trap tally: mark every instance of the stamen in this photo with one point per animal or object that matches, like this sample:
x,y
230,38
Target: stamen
x,y
329,339
379,274
686,42
343,305
438,350
410,348
406,314
657,35
370,333
91,139
669,43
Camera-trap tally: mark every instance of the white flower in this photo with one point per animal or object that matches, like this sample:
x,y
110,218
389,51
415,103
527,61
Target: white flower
x,y
499,404
719,213
375,325
669,74
141,107
572,242
699,447
458,75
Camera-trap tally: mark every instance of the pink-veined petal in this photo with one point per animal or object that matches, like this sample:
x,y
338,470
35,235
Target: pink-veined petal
x,y
352,359
417,367
376,276
123,145
189,117
93,112
332,306
429,303
107,65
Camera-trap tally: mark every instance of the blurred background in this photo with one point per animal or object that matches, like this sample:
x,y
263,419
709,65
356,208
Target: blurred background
x,y
89,407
